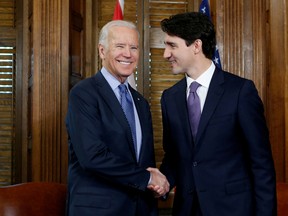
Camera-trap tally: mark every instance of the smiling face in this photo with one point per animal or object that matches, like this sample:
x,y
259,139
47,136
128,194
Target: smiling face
x,y
121,55
179,54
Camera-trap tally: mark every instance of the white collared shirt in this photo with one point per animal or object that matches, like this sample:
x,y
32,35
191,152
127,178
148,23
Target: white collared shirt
x,y
204,80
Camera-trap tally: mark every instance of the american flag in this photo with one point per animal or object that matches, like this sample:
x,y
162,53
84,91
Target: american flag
x,y
205,9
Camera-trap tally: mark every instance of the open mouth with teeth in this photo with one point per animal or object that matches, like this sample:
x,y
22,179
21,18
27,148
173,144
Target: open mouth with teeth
x,y
124,62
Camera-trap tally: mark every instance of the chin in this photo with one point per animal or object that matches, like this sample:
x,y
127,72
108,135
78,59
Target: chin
x,y
176,72
126,74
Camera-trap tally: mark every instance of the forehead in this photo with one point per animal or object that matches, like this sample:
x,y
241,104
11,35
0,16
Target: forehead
x,y
123,32
168,39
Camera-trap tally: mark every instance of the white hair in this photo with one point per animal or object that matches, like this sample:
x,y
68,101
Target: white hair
x,y
103,36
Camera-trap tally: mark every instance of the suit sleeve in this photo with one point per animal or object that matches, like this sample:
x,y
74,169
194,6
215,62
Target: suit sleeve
x,y
253,124
168,165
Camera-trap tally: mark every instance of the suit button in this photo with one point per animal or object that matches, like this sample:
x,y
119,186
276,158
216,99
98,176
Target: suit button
x,y
195,163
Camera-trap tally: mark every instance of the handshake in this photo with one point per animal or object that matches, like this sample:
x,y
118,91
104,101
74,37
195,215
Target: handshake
x,y
158,182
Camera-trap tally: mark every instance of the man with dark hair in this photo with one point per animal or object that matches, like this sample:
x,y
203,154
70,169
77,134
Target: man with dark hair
x,y
215,138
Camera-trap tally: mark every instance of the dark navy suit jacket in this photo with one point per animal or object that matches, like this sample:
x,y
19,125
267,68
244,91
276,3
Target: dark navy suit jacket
x,y
104,177
230,164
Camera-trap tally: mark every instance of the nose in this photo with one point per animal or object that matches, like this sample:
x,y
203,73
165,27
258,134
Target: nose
x,y
127,52
166,53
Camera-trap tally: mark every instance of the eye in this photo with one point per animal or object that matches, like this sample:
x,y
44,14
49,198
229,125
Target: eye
x,y
120,46
134,48
172,45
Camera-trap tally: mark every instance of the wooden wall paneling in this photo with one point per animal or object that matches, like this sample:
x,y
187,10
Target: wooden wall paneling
x,y
7,114
62,95
259,65
7,91
7,17
140,75
158,69
286,93
89,43
276,88
217,15
248,36
29,90
77,48
240,28
146,51
232,36
48,101
36,94
22,68
241,39
95,37
106,10
7,36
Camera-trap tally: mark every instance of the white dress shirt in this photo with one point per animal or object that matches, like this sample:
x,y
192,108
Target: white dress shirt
x,y
204,80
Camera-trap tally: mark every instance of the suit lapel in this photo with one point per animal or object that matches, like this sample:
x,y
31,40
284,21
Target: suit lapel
x,y
213,97
181,103
137,101
180,98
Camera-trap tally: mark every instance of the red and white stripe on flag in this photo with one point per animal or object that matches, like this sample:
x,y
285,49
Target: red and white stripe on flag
x,y
119,10
118,15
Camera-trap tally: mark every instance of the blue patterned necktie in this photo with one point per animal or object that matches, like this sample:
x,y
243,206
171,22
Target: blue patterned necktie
x,y
127,106
194,108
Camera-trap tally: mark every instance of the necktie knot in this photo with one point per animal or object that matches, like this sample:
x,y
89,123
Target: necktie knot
x,y
194,86
124,92
122,88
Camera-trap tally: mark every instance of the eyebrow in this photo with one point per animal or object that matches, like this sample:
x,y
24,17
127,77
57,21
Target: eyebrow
x,y
169,43
124,44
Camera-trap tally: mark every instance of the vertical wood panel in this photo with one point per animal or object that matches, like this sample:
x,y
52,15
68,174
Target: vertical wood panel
x,y
276,87
77,45
258,45
241,29
35,109
63,94
49,80
232,37
22,59
286,94
8,84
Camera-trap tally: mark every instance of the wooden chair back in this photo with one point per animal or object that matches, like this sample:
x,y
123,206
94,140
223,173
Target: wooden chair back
x,y
33,199
282,199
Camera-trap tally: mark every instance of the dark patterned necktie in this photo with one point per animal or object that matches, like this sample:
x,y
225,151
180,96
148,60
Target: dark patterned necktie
x,y
194,108
127,106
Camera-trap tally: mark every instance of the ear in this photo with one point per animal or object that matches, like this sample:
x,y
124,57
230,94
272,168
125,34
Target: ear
x,y
197,45
101,50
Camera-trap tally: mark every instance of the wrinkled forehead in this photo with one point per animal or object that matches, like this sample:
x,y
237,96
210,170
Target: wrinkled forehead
x,y
123,35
